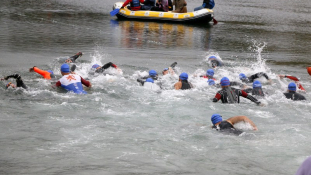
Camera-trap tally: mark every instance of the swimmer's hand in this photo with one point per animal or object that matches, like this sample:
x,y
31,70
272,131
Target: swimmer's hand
x,y
281,76
2,79
260,104
255,128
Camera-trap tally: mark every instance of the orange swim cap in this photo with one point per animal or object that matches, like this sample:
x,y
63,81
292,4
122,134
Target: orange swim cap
x,y
309,70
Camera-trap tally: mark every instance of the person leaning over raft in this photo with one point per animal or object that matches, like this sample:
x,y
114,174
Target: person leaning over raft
x,y
161,5
183,83
19,81
72,82
292,94
134,4
231,95
227,125
180,6
45,74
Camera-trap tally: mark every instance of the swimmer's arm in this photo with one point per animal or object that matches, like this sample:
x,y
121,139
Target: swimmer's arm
x,y
217,97
76,56
141,81
237,119
15,76
58,84
86,83
42,72
291,77
253,99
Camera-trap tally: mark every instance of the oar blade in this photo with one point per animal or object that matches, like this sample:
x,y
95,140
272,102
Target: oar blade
x,y
114,12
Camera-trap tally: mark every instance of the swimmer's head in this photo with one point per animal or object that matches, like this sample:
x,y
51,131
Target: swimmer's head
x,y
256,84
10,85
95,66
225,81
150,80
183,76
212,57
216,118
242,76
210,72
292,86
65,68
165,71
152,73
51,72
211,82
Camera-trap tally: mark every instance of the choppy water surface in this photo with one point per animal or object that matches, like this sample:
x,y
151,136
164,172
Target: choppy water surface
x,y
121,128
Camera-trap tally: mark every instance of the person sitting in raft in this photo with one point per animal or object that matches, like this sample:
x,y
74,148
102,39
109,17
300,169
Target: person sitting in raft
x,y
45,74
209,4
291,94
295,79
73,58
148,4
251,78
19,81
149,84
183,83
214,61
100,69
163,5
180,6
134,4
231,95
72,82
227,125
256,90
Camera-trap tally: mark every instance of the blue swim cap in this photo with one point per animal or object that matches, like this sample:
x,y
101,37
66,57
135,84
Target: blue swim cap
x,y
152,73
256,84
150,80
211,82
51,72
95,66
212,57
216,118
210,72
225,81
292,86
183,76
165,69
242,76
65,68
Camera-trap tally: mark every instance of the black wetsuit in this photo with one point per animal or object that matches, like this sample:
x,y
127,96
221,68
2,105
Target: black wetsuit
x,y
106,66
74,58
225,126
232,95
19,81
294,96
185,85
251,78
255,91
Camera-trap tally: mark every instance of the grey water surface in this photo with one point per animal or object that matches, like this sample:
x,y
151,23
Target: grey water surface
x,y
121,128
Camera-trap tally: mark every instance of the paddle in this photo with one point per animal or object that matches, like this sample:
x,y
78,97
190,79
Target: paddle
x,y
114,12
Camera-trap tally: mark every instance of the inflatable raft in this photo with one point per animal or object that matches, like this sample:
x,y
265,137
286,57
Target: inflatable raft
x,y
200,16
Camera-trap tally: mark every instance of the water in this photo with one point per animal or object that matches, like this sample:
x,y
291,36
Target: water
x,y
122,128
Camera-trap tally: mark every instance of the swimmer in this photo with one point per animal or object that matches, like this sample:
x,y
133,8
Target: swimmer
x,y
73,58
251,78
292,94
183,83
227,125
169,69
45,74
72,82
305,168
152,74
209,74
231,95
101,69
295,79
149,84
19,81
256,90
215,62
